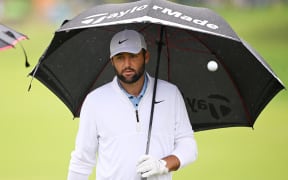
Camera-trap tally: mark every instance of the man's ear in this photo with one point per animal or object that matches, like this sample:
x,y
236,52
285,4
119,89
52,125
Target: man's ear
x,y
111,60
147,57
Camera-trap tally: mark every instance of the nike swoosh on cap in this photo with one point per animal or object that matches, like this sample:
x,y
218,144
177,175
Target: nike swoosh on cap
x,y
120,42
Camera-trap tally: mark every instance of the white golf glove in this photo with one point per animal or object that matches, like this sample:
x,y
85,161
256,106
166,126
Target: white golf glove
x,y
148,166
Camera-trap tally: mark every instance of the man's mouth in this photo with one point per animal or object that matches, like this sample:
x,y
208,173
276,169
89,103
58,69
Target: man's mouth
x,y
128,72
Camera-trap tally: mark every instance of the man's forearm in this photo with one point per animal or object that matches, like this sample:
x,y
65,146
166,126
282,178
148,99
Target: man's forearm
x,y
173,163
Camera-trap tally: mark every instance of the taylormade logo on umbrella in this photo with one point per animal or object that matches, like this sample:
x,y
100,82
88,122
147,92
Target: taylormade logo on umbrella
x,y
217,105
98,18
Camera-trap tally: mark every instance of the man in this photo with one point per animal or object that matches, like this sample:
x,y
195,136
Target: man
x,y
114,122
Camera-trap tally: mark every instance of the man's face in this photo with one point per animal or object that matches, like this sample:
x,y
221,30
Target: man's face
x,y
129,67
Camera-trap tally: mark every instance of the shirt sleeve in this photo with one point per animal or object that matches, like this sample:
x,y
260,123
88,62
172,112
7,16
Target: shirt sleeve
x,y
83,158
185,144
76,176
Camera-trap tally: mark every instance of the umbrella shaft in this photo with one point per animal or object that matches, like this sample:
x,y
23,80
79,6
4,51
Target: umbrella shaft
x,y
160,43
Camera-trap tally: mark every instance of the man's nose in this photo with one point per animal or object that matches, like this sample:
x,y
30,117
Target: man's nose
x,y
127,61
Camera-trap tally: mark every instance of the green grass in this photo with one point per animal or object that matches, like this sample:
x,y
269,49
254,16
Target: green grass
x,y
37,132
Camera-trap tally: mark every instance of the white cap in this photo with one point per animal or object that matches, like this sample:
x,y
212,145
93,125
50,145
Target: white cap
x,y
127,41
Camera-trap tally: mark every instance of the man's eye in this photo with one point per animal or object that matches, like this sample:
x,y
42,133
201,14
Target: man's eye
x,y
133,55
119,57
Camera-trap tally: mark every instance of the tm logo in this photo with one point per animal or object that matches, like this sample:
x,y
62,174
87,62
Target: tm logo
x,y
217,105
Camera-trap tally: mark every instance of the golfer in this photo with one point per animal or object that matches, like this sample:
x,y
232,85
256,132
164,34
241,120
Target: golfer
x,y
114,122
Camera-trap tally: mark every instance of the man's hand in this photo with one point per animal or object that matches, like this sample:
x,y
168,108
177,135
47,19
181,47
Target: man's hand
x,y
148,166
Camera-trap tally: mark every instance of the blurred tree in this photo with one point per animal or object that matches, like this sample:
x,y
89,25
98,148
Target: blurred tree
x,y
16,10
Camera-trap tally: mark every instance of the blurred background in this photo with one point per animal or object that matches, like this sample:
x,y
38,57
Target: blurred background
x,y
57,10
37,131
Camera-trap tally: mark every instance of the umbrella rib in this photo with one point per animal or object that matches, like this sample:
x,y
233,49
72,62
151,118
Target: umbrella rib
x,y
168,57
177,43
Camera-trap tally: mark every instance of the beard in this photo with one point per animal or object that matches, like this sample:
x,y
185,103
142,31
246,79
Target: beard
x,y
130,80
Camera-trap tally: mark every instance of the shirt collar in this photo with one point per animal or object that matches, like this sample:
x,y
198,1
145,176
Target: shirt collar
x,y
142,92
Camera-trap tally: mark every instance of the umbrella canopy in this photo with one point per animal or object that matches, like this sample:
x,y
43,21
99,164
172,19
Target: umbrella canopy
x,y
9,37
231,90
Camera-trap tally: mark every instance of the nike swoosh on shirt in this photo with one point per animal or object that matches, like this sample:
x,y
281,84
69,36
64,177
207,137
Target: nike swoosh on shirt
x,y
120,42
157,102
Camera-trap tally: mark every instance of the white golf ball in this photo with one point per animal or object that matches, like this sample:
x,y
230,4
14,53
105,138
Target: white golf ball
x,y
212,66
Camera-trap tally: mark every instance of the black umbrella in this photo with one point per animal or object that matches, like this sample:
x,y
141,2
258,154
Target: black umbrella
x,y
9,38
232,92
